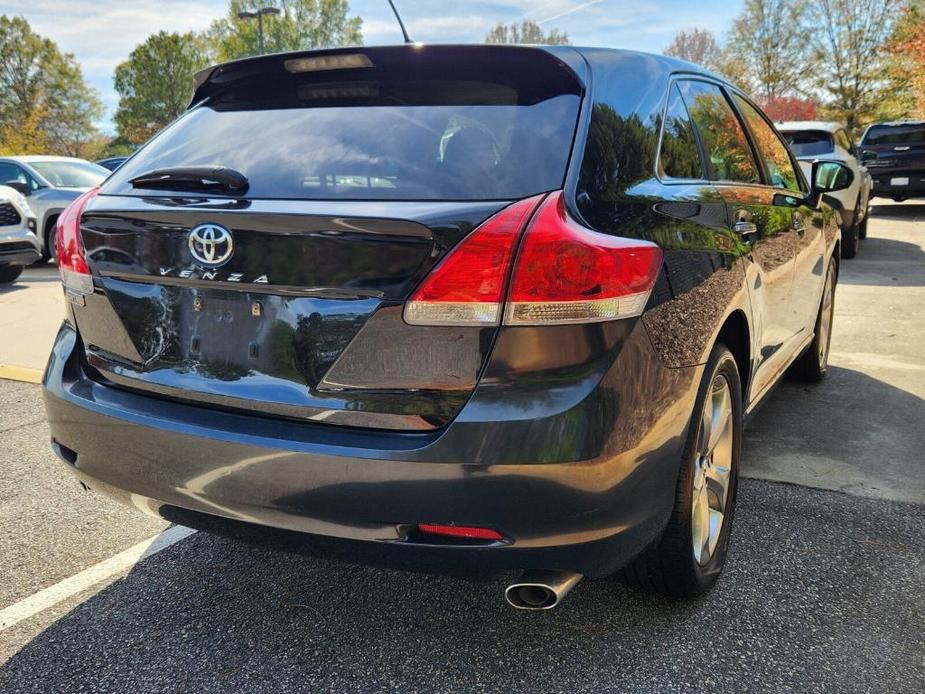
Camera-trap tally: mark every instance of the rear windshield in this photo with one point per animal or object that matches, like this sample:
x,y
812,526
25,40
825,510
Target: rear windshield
x,y
912,133
382,123
810,143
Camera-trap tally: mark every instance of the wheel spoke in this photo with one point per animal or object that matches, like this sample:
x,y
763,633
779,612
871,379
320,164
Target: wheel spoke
x,y
717,484
700,525
721,415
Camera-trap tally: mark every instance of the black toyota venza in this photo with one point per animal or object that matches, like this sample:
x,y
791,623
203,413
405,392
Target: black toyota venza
x,y
453,308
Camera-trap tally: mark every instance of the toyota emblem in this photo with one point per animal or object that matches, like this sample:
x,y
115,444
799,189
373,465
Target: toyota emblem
x,y
210,244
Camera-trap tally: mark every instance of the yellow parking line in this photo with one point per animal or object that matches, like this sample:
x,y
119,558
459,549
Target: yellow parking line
x,y
20,373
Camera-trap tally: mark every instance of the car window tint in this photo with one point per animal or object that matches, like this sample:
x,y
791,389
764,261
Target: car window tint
x,y
810,143
724,142
680,154
773,151
899,134
11,172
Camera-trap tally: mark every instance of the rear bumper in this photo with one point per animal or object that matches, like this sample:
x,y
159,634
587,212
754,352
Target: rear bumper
x,y
884,188
356,495
19,248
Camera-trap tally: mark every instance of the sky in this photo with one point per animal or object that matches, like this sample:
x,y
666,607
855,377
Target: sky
x,y
101,33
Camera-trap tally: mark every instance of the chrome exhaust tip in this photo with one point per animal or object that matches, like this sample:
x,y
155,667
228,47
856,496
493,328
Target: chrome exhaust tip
x,y
540,589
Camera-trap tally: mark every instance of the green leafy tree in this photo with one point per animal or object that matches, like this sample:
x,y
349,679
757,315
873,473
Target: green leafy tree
x,y
301,25
155,84
45,104
768,46
526,32
851,57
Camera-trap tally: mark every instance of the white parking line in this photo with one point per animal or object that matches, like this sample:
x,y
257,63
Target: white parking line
x,y
69,587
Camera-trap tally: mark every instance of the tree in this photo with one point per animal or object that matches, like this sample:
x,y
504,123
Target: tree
x,y
770,40
785,108
849,48
45,104
301,25
155,84
526,32
906,63
696,46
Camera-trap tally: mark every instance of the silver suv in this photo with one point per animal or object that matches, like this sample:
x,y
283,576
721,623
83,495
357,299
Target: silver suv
x,y
50,184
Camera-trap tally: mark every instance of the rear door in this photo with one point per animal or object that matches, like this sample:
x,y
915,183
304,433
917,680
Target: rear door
x,y
752,214
363,170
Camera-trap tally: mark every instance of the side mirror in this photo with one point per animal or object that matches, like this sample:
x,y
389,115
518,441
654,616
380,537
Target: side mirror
x,y
830,176
19,187
867,156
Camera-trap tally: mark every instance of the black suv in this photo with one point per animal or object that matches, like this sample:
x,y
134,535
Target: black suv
x,y
895,155
459,308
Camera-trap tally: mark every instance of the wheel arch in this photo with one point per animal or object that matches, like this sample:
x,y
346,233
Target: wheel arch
x,y
735,333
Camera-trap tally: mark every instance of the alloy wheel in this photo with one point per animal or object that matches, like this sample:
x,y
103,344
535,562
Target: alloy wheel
x,y
712,469
825,320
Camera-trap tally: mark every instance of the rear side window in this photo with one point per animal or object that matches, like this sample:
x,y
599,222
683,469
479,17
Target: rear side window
x,y
724,143
907,133
467,129
810,143
680,154
772,149
841,137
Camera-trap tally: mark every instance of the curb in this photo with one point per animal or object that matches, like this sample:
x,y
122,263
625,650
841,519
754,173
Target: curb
x,y
20,373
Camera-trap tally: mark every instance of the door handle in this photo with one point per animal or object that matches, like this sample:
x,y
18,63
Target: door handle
x,y
745,228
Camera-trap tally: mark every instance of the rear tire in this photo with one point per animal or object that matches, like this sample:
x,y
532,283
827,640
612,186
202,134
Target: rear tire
x,y
50,250
850,241
9,273
811,367
689,557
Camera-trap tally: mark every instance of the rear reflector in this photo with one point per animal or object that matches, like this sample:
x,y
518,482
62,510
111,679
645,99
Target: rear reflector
x,y
462,531
467,286
563,273
566,273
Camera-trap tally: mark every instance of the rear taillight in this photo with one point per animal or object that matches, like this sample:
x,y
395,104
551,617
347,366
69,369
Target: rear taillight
x,y
467,286
563,273
72,260
566,273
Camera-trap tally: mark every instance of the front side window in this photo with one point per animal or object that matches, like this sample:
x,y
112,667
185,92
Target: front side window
x,y
772,149
680,154
724,142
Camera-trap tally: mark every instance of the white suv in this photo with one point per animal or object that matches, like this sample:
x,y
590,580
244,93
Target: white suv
x,y
19,245
811,140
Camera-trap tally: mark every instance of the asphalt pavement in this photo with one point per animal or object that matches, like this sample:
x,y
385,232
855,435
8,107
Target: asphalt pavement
x,y
824,590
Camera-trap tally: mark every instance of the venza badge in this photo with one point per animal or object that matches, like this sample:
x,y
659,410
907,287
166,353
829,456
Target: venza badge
x,y
210,245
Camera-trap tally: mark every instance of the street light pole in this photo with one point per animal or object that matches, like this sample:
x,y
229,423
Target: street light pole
x,y
258,15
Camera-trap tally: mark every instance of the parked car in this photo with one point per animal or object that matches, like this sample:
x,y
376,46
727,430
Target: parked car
x,y
508,308
112,163
895,154
811,140
18,243
50,184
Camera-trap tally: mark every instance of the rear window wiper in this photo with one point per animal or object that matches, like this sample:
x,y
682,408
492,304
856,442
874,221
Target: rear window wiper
x,y
195,178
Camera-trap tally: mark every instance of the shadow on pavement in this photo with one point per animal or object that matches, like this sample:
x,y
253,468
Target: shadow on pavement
x,y
805,604
851,431
906,212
